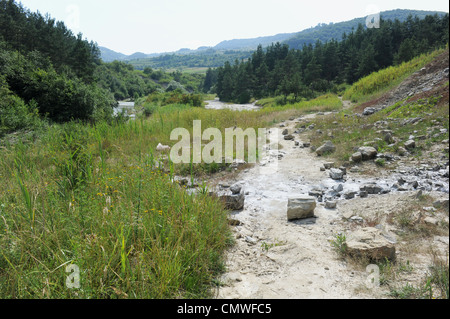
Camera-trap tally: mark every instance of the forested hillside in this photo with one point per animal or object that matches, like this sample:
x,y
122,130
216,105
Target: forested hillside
x,y
324,66
230,50
45,69
207,58
48,72
327,32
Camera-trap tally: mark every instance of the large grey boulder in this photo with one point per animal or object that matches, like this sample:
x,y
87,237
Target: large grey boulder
x,y
301,207
233,198
357,157
388,136
371,188
409,145
328,147
368,153
369,111
336,174
370,243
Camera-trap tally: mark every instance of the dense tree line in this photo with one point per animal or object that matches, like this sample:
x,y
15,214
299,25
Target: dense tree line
x,y
277,70
27,31
208,58
123,81
48,72
326,32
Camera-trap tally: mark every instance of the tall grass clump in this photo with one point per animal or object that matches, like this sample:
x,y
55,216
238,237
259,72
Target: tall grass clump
x,y
92,196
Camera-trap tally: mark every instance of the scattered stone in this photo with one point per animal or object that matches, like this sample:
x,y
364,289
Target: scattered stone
x,y
301,207
236,189
363,194
162,148
388,137
357,157
350,195
411,144
331,204
336,174
444,203
289,137
316,193
402,151
354,169
369,111
234,222
285,132
357,219
431,221
338,188
232,199
368,152
371,188
323,169
250,240
329,165
415,184
328,147
369,242
347,215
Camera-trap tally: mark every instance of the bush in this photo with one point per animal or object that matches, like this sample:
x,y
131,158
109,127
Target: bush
x,y
174,86
15,114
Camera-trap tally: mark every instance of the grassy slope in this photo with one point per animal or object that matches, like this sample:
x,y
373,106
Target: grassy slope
x,y
378,83
353,131
92,196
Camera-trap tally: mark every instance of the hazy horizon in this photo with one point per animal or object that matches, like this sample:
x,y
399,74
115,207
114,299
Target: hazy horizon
x,y
176,24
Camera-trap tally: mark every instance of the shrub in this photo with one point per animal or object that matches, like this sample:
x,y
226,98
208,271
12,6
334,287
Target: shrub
x,y
15,114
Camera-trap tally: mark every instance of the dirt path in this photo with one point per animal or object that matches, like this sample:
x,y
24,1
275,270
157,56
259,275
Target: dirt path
x,y
274,258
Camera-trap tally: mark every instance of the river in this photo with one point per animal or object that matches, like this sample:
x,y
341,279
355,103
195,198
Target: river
x,y
125,106
218,105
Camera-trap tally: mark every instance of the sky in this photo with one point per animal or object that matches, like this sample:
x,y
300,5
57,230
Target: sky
x,y
154,26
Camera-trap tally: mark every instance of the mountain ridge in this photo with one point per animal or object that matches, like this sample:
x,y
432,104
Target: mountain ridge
x,y
323,32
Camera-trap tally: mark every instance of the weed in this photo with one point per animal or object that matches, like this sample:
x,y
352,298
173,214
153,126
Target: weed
x,y
340,244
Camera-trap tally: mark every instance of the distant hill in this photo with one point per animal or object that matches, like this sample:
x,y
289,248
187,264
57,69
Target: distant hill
x,y
326,32
252,44
241,48
110,55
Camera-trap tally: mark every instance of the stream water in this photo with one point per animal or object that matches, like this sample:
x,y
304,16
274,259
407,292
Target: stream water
x,y
128,107
218,105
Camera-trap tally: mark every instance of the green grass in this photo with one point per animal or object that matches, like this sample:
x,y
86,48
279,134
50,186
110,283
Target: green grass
x,y
352,132
435,285
324,103
99,196
93,197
